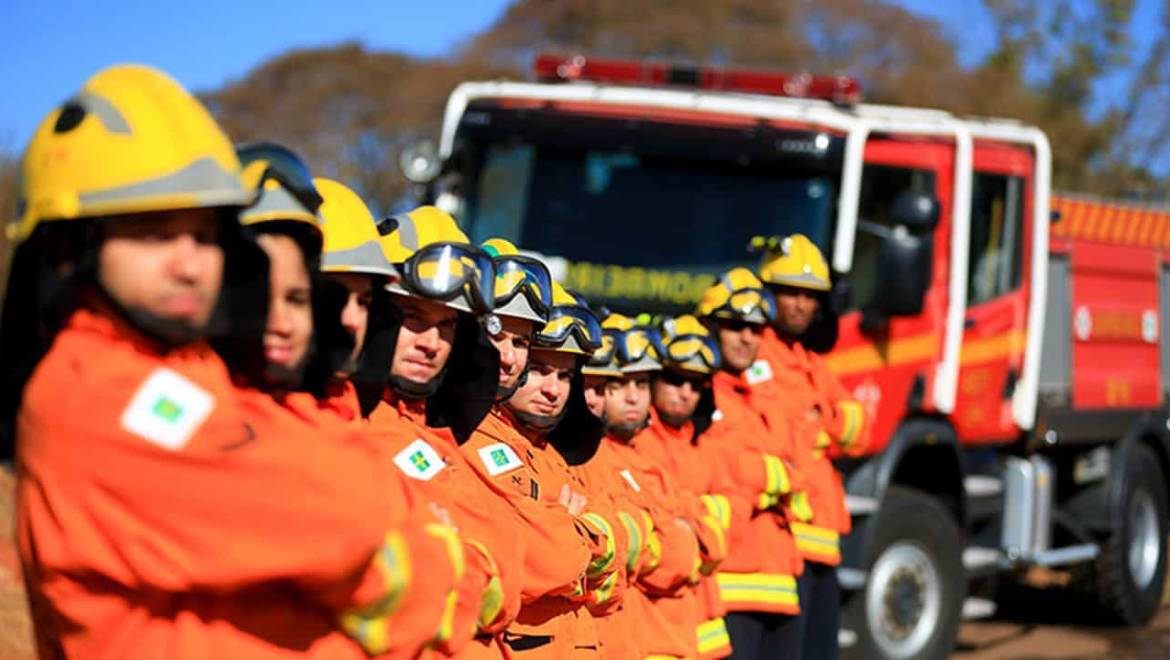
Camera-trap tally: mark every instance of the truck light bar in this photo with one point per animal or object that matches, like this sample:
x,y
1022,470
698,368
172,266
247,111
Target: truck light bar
x,y
842,90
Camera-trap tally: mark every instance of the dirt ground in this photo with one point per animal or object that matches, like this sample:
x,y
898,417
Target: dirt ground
x,y
1033,623
1042,620
15,634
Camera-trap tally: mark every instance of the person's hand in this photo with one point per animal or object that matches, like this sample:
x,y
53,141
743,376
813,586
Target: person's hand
x,y
442,515
574,503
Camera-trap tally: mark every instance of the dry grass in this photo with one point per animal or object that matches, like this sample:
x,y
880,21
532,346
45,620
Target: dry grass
x,y
16,641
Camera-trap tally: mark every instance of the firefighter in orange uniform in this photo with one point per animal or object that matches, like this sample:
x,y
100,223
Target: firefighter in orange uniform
x,y
548,411
682,405
441,384
138,462
828,423
757,581
565,560
663,612
355,273
304,346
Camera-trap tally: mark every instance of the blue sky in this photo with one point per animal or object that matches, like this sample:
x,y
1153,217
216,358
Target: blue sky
x,y
50,47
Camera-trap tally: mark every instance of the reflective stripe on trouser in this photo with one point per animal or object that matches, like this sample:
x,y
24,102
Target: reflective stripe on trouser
x,y
819,544
714,642
759,592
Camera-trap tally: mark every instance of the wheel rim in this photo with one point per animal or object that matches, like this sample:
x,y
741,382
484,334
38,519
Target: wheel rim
x,y
1145,546
903,600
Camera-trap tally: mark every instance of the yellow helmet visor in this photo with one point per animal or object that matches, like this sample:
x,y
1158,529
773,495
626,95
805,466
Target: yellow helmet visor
x,y
520,275
566,320
693,351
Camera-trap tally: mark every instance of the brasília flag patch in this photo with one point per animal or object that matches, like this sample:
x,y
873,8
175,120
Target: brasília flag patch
x,y
167,409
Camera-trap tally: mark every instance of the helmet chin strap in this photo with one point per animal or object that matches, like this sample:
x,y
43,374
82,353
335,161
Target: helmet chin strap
x,y
414,390
170,333
673,421
505,393
627,430
538,423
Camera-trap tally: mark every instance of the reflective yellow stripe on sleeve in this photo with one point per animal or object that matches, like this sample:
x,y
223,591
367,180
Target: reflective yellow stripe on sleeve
x,y
719,507
369,625
455,553
601,527
492,599
637,539
819,543
777,475
854,416
712,636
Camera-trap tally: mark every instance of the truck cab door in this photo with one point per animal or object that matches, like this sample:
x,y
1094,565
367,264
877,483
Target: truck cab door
x,y
997,296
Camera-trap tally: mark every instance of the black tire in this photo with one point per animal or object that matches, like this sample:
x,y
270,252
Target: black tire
x,y
916,532
1120,593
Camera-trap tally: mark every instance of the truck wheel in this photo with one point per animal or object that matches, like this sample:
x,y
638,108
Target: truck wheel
x,y
913,596
1130,572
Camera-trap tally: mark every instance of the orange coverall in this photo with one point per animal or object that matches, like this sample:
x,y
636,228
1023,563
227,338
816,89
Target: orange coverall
x,y
432,459
839,426
759,574
556,627
162,511
662,614
566,557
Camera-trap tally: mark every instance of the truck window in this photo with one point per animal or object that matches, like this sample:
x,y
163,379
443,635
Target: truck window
x,y
996,254
621,210
880,184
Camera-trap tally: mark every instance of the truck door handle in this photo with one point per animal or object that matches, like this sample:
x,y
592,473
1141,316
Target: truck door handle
x,y
968,323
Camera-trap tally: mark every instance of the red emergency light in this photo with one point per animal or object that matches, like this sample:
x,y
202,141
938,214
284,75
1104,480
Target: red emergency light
x,y
842,90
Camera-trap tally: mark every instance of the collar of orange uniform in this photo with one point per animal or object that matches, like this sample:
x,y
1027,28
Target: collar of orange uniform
x,y
413,410
667,431
341,398
789,355
505,416
723,380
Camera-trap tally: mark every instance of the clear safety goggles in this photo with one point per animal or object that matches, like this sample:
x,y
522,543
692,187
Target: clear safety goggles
x,y
576,320
284,167
444,271
520,275
684,348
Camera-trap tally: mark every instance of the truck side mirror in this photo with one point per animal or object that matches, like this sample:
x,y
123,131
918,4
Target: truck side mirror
x,y
916,211
419,162
906,254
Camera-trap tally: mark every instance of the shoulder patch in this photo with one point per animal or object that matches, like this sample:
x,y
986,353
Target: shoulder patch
x,y
499,458
759,372
419,460
167,409
629,477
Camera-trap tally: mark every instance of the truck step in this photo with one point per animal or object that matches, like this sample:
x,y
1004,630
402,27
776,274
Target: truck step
x,y
978,608
978,485
850,579
1071,554
846,638
976,558
859,505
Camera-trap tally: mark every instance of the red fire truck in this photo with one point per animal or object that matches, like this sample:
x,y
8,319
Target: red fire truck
x,y
1007,339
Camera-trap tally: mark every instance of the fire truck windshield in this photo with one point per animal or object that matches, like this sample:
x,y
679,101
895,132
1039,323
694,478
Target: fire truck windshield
x,y
634,229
